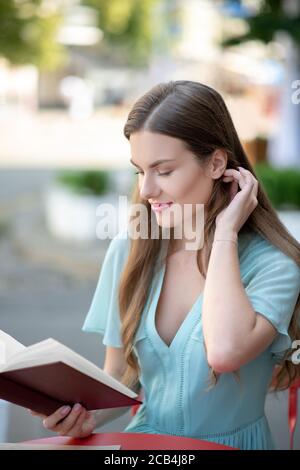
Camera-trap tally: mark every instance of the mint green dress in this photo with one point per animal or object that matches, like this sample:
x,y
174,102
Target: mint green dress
x,y
174,378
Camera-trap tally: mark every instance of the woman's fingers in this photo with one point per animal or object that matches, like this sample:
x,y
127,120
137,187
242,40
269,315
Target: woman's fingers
x,y
227,178
67,421
233,189
90,421
74,427
70,421
86,426
251,178
247,182
52,420
236,179
243,177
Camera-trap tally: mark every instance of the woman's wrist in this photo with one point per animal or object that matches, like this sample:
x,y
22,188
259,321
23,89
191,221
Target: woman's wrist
x,y
225,234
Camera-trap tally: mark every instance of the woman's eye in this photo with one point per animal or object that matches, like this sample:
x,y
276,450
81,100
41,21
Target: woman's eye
x,y
159,174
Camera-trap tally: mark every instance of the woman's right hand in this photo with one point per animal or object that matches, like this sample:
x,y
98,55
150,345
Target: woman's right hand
x,y
67,421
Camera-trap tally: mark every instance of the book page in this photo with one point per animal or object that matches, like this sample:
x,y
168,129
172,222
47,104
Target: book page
x,y
35,353
29,446
50,350
8,347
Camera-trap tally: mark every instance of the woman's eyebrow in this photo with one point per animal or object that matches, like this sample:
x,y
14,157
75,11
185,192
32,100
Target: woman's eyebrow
x,y
157,162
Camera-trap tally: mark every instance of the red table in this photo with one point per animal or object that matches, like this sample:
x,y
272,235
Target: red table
x,y
134,441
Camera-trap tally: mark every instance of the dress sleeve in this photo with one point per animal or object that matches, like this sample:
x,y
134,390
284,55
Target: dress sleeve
x,y
273,292
104,316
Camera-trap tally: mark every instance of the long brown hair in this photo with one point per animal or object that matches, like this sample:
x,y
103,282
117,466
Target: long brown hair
x,y
196,114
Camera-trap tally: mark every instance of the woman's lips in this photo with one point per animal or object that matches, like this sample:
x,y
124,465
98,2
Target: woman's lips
x,y
161,207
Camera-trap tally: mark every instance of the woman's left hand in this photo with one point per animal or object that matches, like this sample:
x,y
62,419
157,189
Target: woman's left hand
x,y
243,202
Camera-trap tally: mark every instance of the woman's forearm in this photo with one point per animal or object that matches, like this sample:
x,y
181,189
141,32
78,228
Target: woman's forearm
x,y
228,316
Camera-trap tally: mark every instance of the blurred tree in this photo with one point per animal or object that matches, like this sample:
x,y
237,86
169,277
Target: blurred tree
x,y
28,31
277,20
271,16
128,26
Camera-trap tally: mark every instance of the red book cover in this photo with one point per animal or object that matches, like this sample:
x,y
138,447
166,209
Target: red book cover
x,y
34,378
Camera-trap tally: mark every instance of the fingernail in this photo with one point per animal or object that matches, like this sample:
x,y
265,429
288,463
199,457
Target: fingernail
x,y
65,410
77,407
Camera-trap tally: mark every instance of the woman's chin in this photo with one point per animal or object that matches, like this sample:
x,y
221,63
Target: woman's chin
x,y
168,224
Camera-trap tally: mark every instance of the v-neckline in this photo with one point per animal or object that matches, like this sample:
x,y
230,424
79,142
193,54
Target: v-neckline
x,y
161,275
158,287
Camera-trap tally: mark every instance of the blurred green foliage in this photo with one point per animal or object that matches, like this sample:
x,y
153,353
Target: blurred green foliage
x,y
282,185
93,182
271,17
132,28
28,33
4,227
129,26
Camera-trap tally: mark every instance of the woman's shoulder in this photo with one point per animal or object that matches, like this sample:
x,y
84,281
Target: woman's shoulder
x,y
256,250
119,244
115,254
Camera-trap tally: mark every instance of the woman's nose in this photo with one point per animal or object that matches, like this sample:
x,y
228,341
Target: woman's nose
x,y
149,189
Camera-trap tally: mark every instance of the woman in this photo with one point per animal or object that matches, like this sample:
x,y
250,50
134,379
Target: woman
x,y
197,331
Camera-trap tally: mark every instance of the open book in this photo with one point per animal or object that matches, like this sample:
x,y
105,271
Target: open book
x,y
48,375
25,446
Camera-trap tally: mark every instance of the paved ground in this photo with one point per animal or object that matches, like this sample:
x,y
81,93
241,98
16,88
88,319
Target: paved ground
x,y
44,292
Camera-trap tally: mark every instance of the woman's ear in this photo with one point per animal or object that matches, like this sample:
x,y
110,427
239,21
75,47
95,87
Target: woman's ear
x,y
218,163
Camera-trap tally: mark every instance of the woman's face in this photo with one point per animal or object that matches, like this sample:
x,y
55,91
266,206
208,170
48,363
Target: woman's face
x,y
169,173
